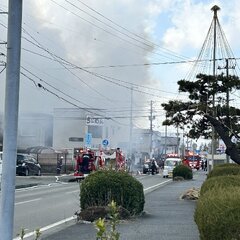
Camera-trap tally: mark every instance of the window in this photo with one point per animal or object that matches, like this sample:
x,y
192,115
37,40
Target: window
x,y
96,131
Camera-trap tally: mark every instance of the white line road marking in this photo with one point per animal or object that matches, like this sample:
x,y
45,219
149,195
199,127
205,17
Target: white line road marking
x,y
33,200
70,218
73,192
157,185
47,227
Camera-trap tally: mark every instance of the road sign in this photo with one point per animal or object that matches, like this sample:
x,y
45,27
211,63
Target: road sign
x,y
88,139
105,142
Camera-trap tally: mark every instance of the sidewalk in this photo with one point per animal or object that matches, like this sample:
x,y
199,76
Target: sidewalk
x,y
167,217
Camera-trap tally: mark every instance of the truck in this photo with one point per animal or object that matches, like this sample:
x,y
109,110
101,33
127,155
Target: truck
x,y
193,161
89,160
85,163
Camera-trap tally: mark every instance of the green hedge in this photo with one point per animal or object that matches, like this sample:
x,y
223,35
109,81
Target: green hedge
x,y
217,214
224,170
182,171
103,186
220,182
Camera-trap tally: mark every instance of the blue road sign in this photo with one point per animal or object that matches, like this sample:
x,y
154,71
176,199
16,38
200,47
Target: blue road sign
x,y
88,139
105,142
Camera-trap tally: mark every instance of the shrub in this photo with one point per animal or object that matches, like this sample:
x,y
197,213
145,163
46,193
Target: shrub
x,y
182,171
217,214
103,186
226,165
226,169
220,182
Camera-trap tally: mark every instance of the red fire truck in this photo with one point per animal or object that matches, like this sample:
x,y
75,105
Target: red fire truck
x,y
88,160
85,162
192,160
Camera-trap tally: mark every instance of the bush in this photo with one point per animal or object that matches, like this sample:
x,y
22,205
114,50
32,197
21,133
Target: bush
x,y
226,165
220,182
225,169
182,171
103,186
217,214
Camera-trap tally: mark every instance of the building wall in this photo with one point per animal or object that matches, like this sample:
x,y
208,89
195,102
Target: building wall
x,y
34,130
71,124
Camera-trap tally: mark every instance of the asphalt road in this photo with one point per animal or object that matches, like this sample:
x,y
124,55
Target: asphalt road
x,y
47,202
167,217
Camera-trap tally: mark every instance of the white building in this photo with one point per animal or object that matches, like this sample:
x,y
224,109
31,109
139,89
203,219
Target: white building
x,y
76,128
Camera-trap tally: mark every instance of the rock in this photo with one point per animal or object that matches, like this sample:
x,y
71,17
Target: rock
x,y
191,194
178,178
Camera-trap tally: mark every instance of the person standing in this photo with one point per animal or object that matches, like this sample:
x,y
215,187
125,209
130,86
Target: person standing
x,y
59,165
205,165
153,167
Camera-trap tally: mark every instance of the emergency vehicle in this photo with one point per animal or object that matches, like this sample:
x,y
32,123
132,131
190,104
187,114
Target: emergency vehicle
x,y
88,160
192,160
169,164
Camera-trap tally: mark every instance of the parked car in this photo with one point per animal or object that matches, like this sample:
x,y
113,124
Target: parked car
x,y
27,165
147,167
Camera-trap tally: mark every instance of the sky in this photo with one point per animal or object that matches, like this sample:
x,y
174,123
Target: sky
x,y
103,53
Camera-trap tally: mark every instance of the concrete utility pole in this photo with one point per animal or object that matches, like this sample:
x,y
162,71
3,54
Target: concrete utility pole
x,y
227,67
10,119
131,127
151,118
165,141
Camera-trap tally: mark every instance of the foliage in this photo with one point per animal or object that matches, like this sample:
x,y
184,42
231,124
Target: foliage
x,y
101,187
23,233
217,214
182,171
221,182
198,115
103,233
200,93
232,169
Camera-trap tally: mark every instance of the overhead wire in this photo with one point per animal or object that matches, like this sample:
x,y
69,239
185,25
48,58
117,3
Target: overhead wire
x,y
61,63
111,33
39,85
134,34
106,78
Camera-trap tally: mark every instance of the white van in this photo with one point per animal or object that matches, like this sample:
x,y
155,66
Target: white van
x,y
169,165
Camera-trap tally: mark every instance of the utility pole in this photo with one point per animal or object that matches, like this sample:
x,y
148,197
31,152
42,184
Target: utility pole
x,y
151,118
131,127
165,143
227,67
10,119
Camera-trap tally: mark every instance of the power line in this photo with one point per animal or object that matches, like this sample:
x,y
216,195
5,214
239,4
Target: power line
x,y
89,22
134,34
62,61
41,80
39,85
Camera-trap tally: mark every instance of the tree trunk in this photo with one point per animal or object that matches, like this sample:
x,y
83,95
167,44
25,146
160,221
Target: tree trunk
x,y
231,148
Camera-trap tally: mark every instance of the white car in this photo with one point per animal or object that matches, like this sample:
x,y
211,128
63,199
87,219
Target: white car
x,y
169,165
